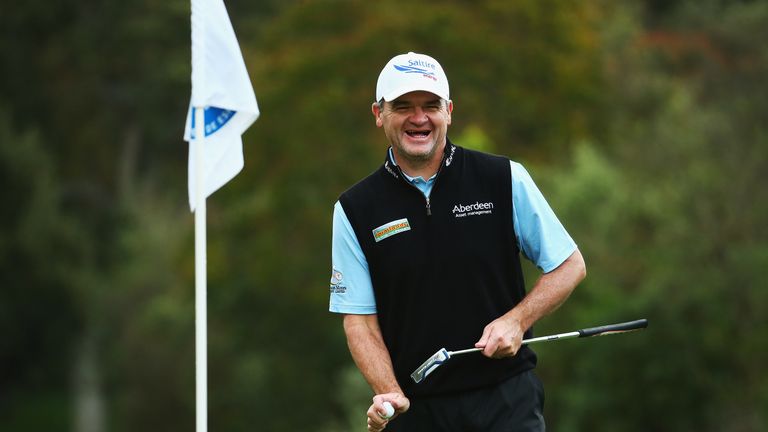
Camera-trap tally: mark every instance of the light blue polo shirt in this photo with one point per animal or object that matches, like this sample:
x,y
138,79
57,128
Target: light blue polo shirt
x,y
540,236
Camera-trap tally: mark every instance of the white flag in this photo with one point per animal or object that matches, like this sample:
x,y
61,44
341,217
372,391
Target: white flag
x,y
220,83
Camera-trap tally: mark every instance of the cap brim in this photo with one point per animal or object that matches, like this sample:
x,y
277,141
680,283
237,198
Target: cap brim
x,y
396,93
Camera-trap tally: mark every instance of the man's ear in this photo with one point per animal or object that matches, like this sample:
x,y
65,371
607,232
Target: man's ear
x,y
450,110
376,110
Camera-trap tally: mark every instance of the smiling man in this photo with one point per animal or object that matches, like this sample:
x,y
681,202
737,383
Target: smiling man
x,y
426,255
416,125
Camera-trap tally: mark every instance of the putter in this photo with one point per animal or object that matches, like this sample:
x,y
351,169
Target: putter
x,y
443,355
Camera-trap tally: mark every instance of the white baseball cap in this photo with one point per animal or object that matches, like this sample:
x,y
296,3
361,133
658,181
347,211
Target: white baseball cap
x,y
411,72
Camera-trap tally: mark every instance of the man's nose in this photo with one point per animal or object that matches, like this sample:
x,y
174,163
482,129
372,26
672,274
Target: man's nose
x,y
418,116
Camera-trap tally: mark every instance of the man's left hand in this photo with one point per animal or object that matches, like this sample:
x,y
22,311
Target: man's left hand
x,y
501,338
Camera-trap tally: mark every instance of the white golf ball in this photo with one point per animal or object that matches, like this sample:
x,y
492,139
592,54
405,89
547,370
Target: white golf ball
x,y
389,410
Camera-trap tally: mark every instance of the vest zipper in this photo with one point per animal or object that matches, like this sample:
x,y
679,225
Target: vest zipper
x,y
416,188
402,177
426,198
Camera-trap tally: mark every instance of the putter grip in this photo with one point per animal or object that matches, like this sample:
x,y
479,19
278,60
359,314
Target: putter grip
x,y
621,327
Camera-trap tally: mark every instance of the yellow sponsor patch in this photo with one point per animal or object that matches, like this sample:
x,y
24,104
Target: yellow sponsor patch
x,y
390,229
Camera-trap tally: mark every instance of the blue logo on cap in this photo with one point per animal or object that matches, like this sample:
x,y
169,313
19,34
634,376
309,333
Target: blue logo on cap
x,y
421,67
417,70
413,69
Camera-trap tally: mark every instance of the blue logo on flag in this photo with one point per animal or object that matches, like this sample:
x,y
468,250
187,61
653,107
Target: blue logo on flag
x,y
215,119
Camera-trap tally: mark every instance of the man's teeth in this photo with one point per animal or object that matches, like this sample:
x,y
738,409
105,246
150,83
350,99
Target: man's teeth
x,y
417,133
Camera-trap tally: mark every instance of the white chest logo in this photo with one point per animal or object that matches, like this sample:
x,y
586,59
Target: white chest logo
x,y
476,209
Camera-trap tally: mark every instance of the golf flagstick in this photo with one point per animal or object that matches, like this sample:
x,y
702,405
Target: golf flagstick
x,y
201,280
443,355
222,88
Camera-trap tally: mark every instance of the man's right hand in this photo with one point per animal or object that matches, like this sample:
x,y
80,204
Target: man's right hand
x,y
376,420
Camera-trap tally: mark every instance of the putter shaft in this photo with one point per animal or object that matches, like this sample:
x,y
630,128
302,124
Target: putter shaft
x,y
443,355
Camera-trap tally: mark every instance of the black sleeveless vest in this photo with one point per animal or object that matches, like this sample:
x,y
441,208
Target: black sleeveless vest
x,y
442,268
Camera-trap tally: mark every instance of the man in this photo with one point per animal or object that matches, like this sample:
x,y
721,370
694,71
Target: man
x,y
426,255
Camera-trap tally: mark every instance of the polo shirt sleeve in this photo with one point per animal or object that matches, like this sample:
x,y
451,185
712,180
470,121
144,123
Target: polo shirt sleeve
x,y
351,287
540,235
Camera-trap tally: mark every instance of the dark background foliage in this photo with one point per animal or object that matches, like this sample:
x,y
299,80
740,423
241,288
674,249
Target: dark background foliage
x,y
642,121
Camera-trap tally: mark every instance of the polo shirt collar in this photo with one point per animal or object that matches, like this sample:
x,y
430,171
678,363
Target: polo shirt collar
x,y
391,165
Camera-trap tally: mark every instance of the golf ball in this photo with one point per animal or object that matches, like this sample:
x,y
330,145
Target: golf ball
x,y
389,410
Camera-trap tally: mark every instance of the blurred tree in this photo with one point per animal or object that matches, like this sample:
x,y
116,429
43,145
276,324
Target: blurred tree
x,y
672,220
40,254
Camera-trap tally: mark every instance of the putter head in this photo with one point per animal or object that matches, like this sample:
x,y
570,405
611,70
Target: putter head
x,y
431,364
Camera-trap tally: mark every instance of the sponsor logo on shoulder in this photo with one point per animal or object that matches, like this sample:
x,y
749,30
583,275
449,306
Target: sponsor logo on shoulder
x,y
390,229
337,279
476,209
